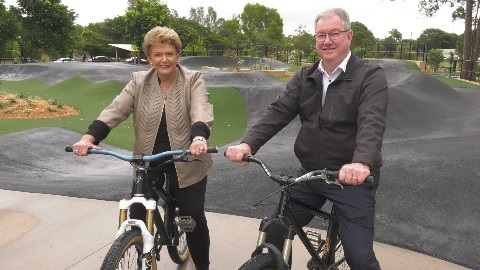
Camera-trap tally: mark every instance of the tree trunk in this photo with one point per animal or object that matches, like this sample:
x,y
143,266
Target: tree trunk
x,y
467,43
476,51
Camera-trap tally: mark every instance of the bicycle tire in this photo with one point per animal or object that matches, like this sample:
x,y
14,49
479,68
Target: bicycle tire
x,y
126,253
180,253
262,261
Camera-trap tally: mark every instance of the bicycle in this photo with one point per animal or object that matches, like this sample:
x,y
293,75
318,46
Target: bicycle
x,y
326,253
140,248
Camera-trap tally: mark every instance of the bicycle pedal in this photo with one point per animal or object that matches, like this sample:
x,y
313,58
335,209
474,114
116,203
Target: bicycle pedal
x,y
314,237
186,223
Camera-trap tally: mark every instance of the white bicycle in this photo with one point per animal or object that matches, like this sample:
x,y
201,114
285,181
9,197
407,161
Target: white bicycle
x,y
138,243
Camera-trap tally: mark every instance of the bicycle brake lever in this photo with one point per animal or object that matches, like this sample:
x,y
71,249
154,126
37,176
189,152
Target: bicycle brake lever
x,y
330,182
180,158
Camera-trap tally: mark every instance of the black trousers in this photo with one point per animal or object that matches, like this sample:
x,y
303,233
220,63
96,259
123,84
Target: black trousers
x,y
191,202
355,210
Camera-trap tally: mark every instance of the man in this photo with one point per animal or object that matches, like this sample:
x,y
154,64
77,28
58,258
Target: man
x,y
342,103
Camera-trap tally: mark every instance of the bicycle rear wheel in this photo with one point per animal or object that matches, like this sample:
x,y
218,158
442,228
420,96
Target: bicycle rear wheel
x,y
262,261
179,254
126,253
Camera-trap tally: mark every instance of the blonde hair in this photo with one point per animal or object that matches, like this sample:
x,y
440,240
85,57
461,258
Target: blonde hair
x,y
161,35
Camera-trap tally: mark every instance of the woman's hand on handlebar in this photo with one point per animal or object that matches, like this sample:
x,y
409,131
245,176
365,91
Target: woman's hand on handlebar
x,y
198,146
235,153
86,142
353,173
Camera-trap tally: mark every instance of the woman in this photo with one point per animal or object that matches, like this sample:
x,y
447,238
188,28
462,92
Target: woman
x,y
170,111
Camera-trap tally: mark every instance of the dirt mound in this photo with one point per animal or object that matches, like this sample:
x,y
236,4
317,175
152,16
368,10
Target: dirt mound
x,y
17,107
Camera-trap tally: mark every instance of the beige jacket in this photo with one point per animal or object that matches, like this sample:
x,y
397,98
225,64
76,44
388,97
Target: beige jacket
x,y
185,104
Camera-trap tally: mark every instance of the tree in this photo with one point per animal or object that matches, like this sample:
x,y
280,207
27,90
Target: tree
x,y
231,30
435,57
303,45
435,38
9,26
362,39
395,34
262,25
208,20
142,16
463,10
46,25
95,37
195,37
115,29
197,14
94,42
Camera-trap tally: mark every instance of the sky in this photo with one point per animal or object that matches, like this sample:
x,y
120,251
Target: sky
x,y
379,16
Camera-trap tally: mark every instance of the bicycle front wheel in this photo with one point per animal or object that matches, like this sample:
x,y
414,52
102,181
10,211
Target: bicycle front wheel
x,y
126,253
179,254
262,261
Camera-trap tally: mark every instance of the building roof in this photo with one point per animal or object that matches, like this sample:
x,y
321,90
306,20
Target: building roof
x,y
127,47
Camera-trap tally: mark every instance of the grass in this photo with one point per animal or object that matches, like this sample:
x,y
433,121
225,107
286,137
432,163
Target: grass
x,y
90,98
412,65
448,81
456,83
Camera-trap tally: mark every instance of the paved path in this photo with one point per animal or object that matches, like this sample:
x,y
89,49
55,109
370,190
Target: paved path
x,y
41,231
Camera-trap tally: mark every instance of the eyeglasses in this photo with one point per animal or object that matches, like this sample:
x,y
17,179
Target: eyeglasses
x,y
334,35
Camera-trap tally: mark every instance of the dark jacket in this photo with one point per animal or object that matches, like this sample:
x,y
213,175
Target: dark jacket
x,y
350,126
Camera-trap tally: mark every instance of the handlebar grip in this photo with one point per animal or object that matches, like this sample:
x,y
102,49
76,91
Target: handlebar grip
x,y
247,158
212,150
69,148
370,179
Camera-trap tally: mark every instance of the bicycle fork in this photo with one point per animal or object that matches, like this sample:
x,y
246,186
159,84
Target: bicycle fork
x,y
282,257
148,256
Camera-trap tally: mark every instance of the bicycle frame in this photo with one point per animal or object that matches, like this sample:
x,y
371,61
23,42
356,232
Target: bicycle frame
x,y
166,229
286,218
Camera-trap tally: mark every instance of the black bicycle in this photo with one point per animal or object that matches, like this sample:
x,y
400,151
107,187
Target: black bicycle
x,y
138,243
326,253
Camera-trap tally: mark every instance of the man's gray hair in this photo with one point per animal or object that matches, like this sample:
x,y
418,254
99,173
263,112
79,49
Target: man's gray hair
x,y
340,12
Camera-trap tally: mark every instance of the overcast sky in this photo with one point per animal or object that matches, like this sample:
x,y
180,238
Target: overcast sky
x,y
380,16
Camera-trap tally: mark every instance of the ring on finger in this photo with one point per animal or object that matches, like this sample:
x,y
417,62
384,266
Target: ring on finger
x,y
76,150
354,178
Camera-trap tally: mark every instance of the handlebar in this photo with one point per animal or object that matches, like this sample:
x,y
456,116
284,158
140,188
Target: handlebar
x,y
144,158
324,174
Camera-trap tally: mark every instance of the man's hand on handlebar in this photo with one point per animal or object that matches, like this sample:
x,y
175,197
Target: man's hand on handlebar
x,y
235,153
353,174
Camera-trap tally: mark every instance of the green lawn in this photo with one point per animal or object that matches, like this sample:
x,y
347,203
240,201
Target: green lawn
x,y
456,82
90,98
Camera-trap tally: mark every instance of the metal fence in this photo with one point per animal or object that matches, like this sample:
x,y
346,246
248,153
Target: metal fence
x,y
407,51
